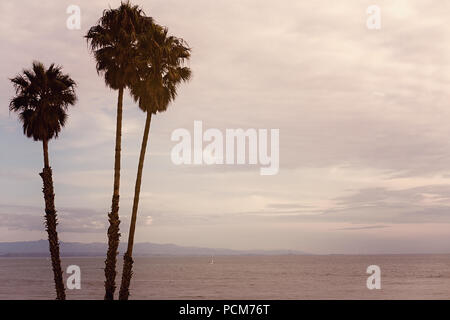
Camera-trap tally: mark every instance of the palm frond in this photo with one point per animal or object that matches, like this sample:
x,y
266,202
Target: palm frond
x,y
160,68
42,99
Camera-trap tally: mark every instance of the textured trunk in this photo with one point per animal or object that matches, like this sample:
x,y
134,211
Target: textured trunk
x,y
50,224
128,257
113,230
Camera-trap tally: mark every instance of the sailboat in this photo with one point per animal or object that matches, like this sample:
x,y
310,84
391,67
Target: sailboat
x,y
212,260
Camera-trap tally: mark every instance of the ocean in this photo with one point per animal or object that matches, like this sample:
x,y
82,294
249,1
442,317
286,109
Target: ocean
x,y
241,277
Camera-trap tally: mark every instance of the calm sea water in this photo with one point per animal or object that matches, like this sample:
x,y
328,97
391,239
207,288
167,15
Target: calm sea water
x,y
242,277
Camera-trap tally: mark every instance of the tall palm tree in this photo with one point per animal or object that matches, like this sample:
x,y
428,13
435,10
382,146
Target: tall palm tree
x,y
160,69
42,99
113,42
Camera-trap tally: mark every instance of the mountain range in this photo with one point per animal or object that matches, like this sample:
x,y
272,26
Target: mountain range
x,y
40,249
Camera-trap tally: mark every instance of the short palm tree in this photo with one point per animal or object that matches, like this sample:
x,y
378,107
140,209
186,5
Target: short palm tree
x,y
160,69
42,99
113,42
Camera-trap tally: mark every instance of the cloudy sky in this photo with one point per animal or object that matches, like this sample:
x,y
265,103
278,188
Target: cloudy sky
x,y
363,118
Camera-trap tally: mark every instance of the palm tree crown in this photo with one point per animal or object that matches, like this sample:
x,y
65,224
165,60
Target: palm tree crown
x,y
42,98
113,42
160,69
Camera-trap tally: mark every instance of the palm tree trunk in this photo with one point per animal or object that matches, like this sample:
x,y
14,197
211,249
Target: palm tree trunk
x,y
50,224
113,230
128,257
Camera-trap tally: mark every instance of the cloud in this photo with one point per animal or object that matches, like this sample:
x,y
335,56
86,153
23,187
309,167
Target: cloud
x,y
425,204
149,220
31,218
363,228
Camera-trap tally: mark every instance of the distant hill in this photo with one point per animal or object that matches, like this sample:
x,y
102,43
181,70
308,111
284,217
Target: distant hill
x,y
40,249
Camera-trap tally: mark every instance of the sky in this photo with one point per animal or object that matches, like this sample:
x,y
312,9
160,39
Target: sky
x,y
362,114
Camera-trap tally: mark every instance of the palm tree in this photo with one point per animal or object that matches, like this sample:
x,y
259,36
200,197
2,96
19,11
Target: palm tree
x,y
113,42
160,69
42,99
